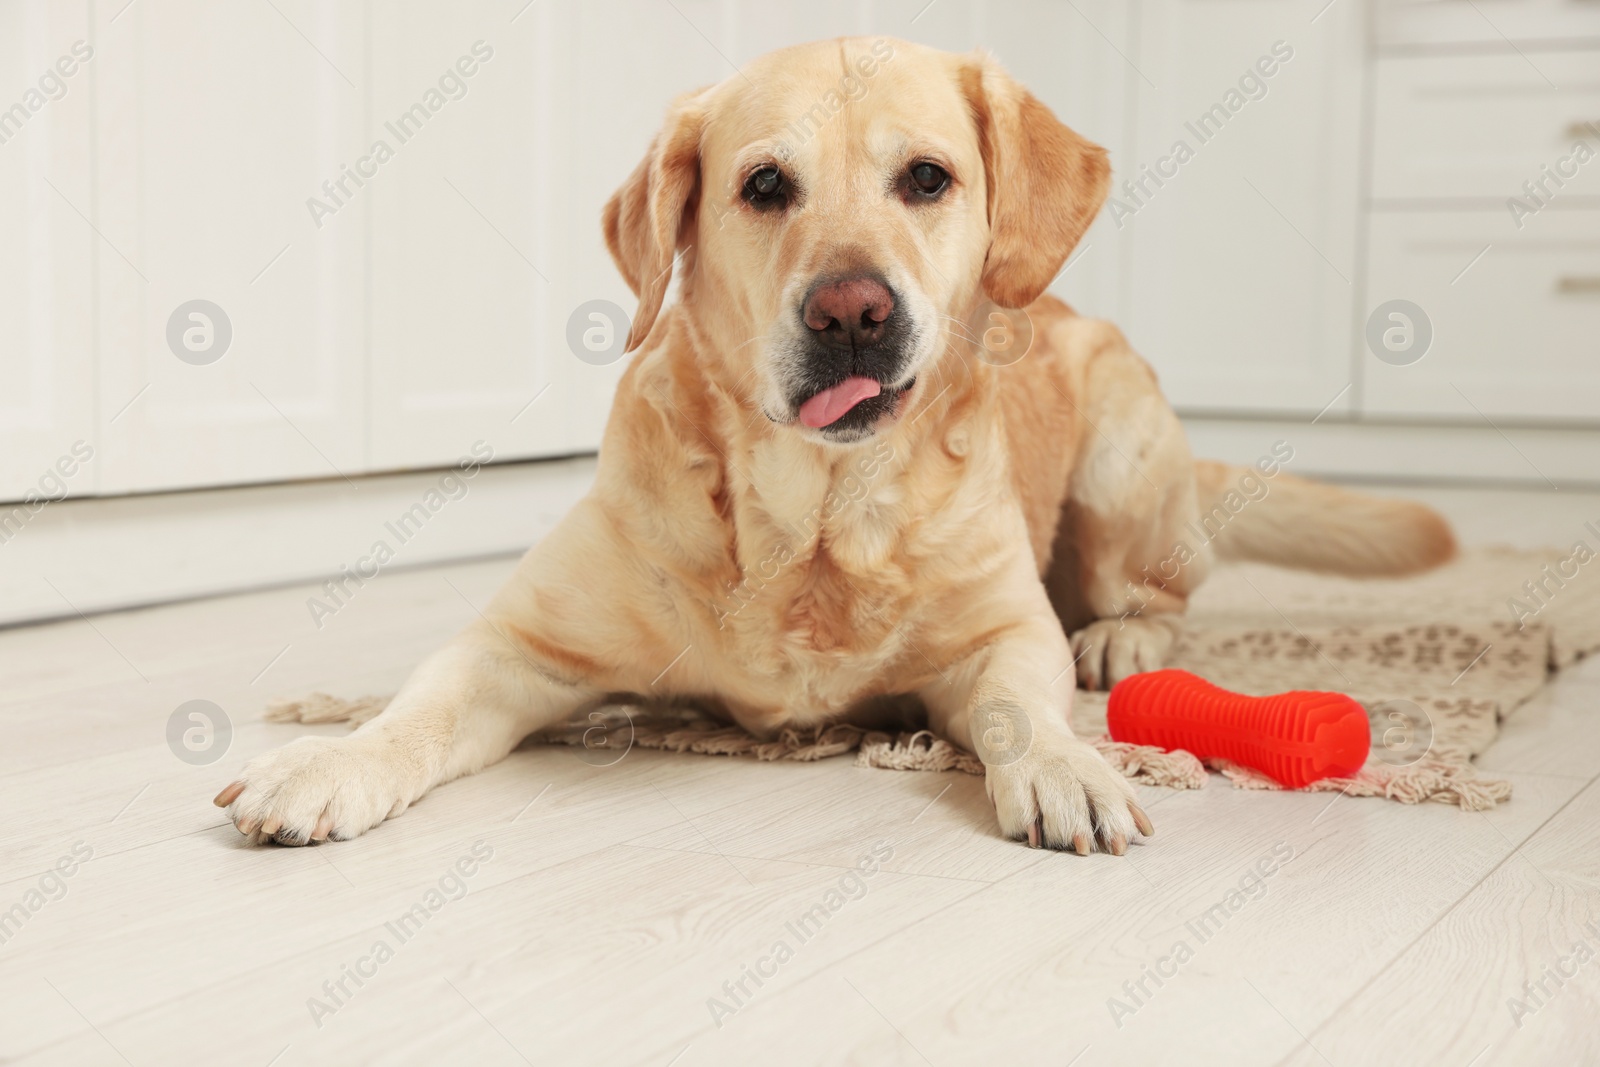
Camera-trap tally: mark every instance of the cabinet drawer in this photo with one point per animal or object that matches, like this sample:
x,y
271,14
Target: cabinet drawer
x,y
1431,23
1481,126
1516,334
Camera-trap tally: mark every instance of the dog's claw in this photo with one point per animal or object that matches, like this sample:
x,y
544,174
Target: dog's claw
x,y
228,795
1140,819
1080,844
1118,845
334,787
1035,832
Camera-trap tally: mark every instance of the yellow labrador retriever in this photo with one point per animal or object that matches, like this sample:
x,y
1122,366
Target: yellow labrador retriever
x,y
819,487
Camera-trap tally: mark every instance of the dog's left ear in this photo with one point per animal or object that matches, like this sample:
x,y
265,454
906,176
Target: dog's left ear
x,y
648,219
1045,183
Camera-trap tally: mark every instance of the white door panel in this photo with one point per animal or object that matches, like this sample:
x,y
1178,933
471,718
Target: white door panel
x,y
216,124
465,259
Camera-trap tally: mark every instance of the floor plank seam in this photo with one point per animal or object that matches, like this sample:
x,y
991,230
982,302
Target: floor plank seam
x,y
270,964
129,849
809,863
1379,973
781,993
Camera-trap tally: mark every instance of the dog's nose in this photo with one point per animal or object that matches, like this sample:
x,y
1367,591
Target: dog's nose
x,y
849,313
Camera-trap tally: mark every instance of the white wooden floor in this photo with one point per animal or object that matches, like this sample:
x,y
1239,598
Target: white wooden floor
x,y
619,900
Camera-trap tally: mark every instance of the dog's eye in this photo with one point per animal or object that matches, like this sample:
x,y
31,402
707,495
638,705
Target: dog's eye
x,y
766,188
928,179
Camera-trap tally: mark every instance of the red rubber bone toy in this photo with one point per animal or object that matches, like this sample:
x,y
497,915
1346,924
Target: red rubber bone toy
x,y
1296,738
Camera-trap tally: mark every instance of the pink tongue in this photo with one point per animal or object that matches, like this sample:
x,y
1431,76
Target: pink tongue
x,y
830,405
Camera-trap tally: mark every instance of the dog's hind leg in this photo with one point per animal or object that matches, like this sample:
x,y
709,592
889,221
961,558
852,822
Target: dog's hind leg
x,y
1125,556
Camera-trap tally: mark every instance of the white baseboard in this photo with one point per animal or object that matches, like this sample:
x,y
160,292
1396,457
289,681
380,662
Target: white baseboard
x,y
120,552
1541,458
101,554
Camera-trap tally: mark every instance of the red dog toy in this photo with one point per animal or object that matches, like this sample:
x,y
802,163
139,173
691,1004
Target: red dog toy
x,y
1295,737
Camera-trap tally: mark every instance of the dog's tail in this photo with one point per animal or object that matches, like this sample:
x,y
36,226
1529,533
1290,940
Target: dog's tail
x,y
1298,523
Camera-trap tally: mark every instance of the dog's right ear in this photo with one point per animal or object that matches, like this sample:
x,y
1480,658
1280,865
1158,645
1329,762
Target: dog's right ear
x,y
647,220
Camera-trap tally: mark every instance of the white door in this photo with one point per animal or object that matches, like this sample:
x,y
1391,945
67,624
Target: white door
x,y
47,248
1242,202
215,124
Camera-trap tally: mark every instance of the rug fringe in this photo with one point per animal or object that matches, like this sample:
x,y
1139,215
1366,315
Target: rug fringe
x,y
323,707
1445,777
1149,765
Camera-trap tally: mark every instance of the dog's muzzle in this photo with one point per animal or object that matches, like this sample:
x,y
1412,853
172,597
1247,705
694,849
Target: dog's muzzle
x,y
855,348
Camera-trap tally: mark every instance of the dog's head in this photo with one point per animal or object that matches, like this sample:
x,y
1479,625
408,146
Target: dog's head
x,y
841,208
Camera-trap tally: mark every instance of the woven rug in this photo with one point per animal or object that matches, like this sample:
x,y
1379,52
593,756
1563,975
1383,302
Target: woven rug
x,y
1438,661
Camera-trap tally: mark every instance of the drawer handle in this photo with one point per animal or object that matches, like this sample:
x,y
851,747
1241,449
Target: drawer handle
x,y
1579,284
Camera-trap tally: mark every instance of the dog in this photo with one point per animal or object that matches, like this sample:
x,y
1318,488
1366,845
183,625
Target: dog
x,y
820,488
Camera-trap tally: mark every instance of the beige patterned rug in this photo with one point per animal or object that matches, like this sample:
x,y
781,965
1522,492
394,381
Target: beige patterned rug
x,y
1437,660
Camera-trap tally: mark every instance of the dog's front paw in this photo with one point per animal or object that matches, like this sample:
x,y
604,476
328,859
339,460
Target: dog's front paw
x,y
314,789
1109,650
1062,794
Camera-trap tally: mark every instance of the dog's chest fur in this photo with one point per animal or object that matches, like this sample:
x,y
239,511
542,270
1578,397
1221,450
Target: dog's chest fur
x,y
840,569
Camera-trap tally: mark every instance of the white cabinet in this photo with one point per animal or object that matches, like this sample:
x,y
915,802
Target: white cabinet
x,y
1242,199
323,240
1486,216
392,210
47,250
